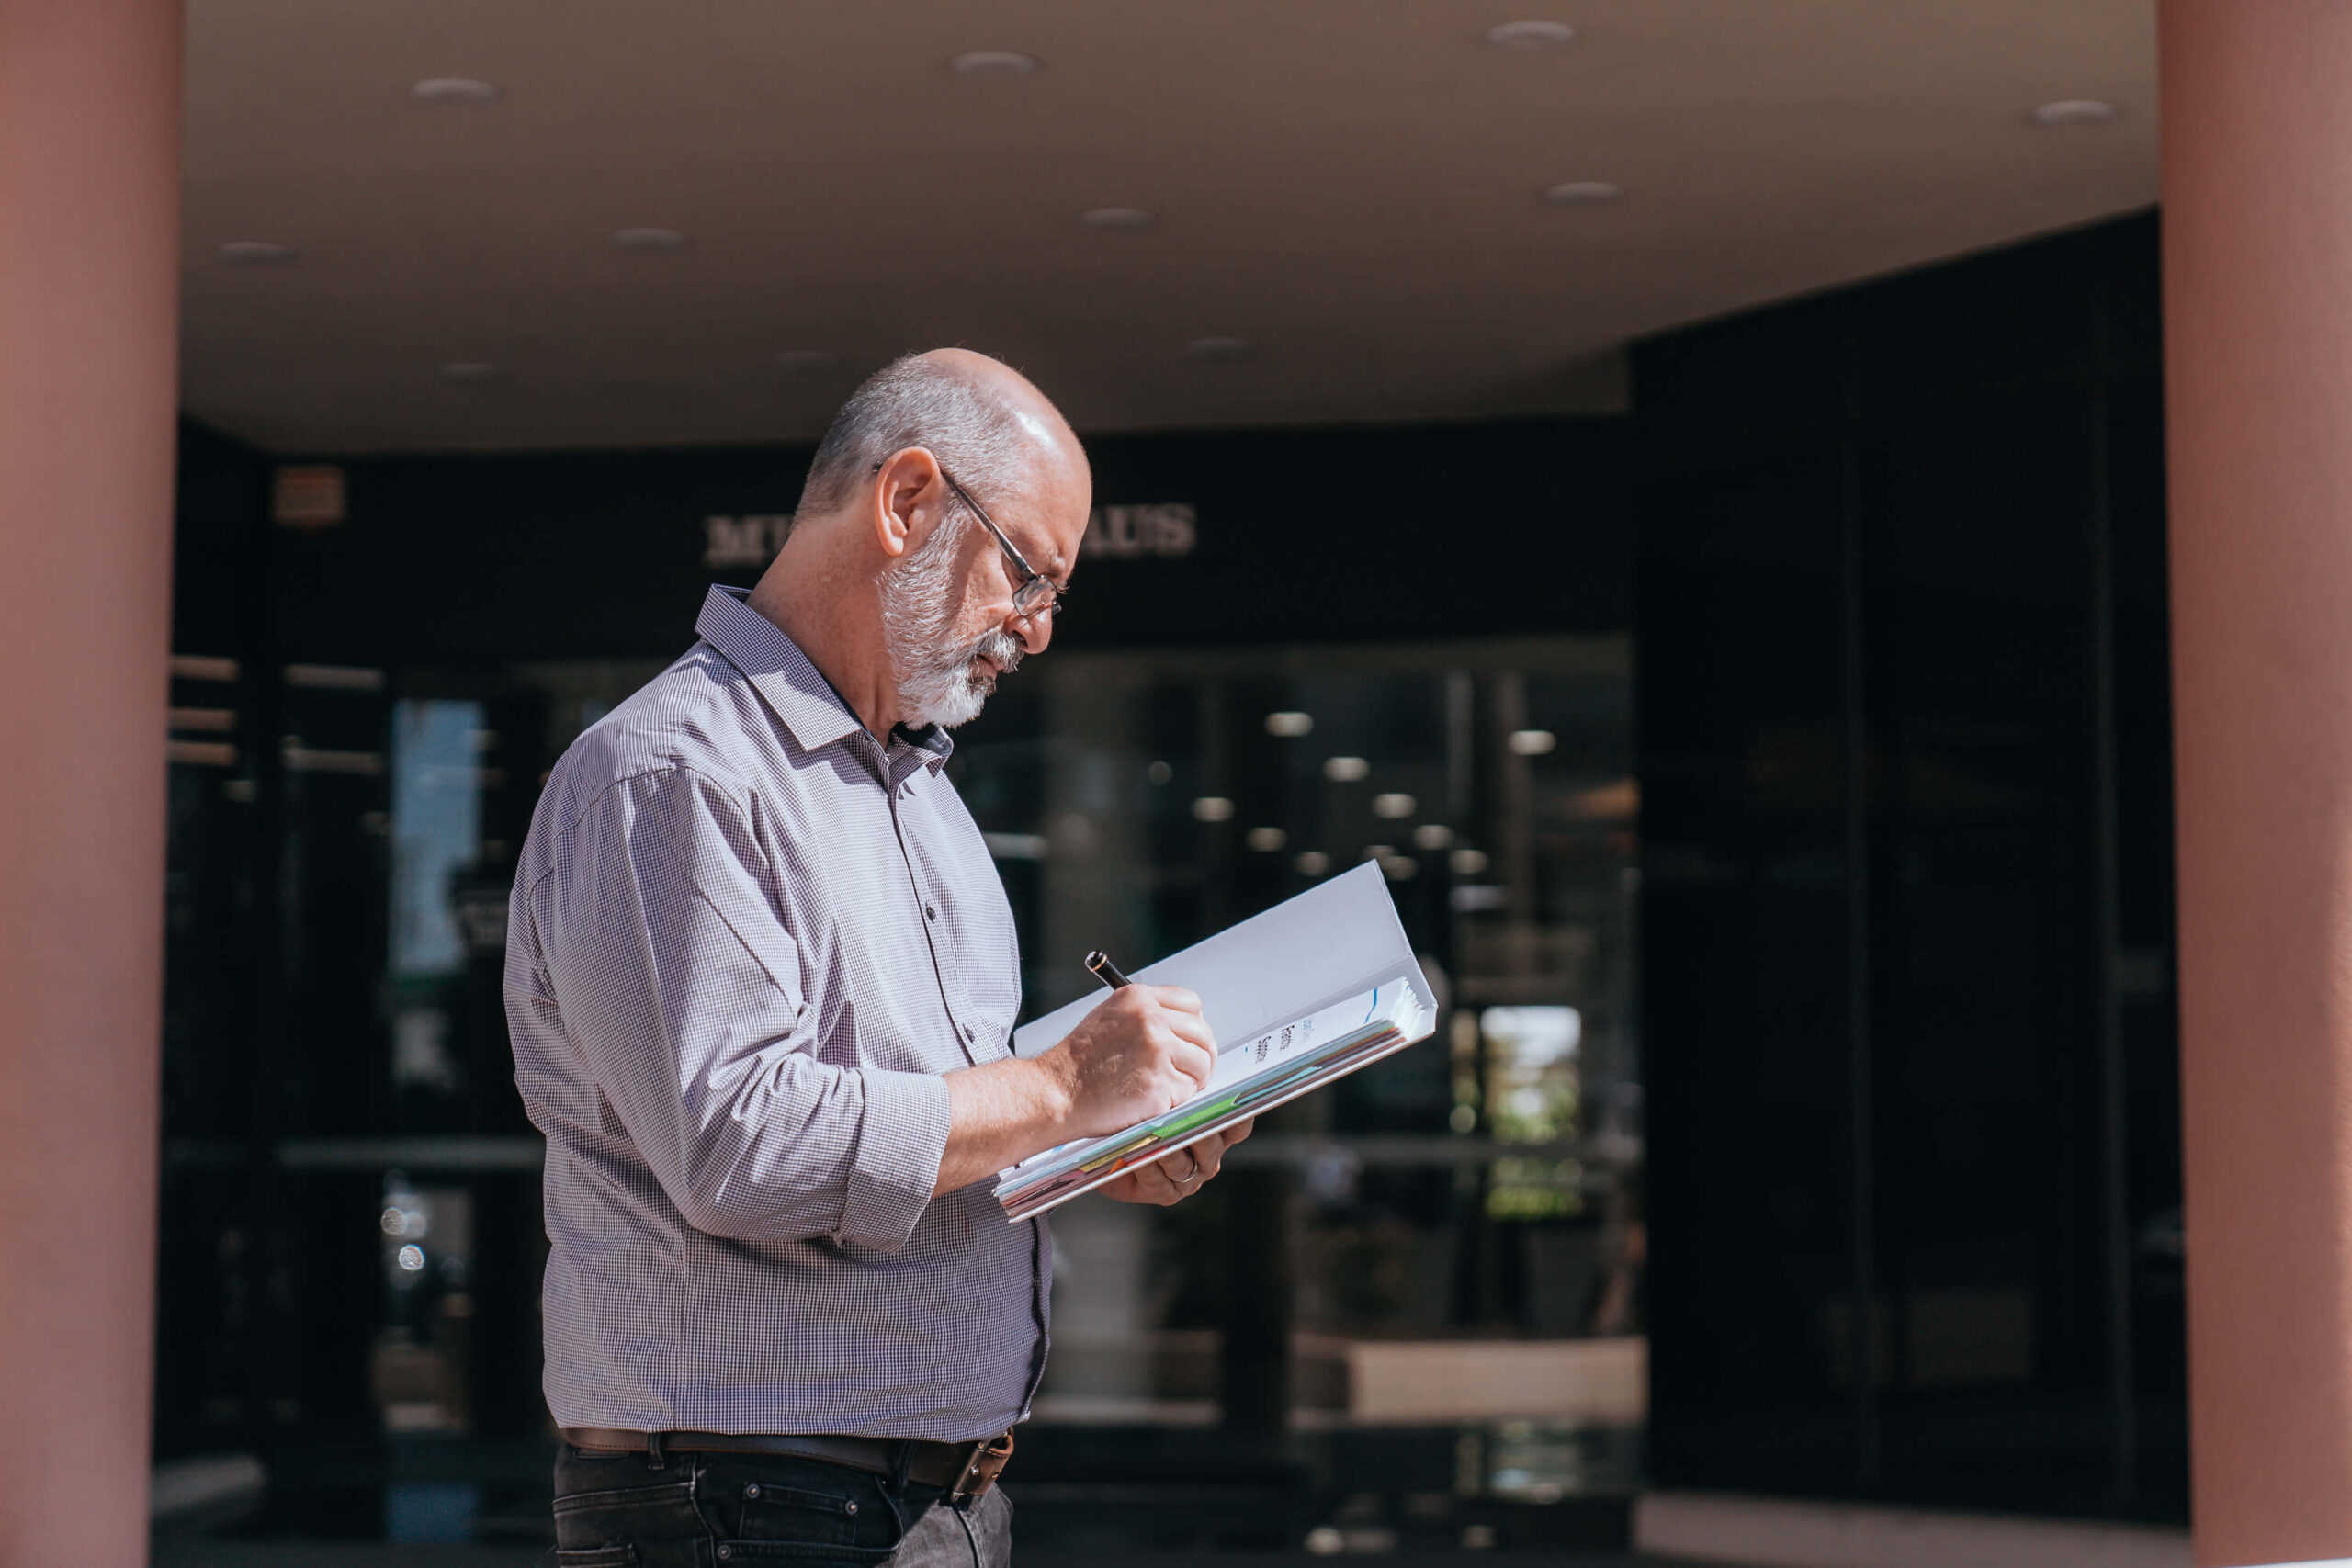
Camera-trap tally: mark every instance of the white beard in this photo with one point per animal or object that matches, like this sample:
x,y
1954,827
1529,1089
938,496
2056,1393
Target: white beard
x,y
939,683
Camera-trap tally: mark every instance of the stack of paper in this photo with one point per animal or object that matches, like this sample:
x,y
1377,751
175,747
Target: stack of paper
x,y
1304,994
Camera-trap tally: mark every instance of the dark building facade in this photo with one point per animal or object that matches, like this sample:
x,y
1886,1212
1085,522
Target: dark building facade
x,y
1907,915
1826,1044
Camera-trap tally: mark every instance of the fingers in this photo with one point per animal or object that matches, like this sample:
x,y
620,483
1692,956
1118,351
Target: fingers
x,y
1172,1007
1210,1152
1144,1050
1154,1184
1173,1177
1194,1063
1189,1027
1175,998
1190,1168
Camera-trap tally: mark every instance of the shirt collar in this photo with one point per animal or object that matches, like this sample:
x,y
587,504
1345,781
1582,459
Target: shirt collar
x,y
795,689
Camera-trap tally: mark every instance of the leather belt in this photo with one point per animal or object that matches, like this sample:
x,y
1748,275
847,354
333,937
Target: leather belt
x,y
964,1470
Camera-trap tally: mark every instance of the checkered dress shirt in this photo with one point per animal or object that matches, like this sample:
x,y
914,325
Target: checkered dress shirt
x,y
747,939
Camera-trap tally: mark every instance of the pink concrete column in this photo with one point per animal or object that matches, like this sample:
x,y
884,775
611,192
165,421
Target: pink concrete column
x,y
89,278
2257,240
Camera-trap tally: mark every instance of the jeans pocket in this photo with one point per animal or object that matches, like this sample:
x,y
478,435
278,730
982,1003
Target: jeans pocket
x,y
766,1509
645,1525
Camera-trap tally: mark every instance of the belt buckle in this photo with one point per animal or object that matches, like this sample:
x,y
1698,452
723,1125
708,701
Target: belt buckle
x,y
981,1468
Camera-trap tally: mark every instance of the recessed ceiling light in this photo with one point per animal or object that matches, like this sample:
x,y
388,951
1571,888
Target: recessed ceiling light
x,y
1217,347
1580,193
2074,111
1115,218
1311,862
1213,808
260,252
800,361
994,62
1533,743
1432,836
1266,840
453,90
648,239
470,372
1290,723
1393,806
1531,35
1467,861
1345,770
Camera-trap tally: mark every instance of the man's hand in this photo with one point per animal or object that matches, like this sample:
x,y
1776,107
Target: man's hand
x,y
1144,1051
1169,1180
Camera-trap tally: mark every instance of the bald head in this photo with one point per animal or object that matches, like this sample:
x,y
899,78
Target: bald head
x,y
985,422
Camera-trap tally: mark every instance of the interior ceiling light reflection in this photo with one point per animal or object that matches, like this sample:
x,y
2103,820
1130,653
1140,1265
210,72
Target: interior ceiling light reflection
x,y
457,90
251,253
1580,193
995,62
1531,35
2075,111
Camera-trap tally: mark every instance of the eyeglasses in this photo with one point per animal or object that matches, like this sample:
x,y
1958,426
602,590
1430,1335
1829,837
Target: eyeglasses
x,y
1035,597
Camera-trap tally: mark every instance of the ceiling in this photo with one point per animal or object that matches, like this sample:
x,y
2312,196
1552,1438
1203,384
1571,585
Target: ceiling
x,y
1354,187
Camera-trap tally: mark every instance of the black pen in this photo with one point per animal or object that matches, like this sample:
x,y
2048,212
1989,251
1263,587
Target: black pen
x,y
1099,964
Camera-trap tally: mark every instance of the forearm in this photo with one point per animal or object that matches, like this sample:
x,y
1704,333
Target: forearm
x,y
1000,1114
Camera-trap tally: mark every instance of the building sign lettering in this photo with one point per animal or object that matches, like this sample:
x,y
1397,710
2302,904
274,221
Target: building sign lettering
x,y
1167,530
752,539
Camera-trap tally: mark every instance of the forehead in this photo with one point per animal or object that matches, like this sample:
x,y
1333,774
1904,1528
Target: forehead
x,y
1044,514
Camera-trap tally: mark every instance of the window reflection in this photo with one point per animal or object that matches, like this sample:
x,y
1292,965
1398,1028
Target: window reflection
x,y
1474,1200
1449,1240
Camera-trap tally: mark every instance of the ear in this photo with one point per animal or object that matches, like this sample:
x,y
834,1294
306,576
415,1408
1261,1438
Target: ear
x,y
906,500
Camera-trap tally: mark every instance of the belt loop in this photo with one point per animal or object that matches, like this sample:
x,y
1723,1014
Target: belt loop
x,y
656,1459
904,1462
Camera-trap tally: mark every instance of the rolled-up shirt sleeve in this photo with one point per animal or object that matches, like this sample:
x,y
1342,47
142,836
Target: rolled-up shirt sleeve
x,y
681,986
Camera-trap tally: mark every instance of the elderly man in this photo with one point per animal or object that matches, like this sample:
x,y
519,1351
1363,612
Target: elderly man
x,y
762,979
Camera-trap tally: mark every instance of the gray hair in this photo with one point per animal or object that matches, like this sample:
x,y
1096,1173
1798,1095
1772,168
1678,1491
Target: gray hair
x,y
912,402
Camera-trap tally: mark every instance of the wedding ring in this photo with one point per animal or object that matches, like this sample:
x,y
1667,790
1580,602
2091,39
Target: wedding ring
x,y
1188,1180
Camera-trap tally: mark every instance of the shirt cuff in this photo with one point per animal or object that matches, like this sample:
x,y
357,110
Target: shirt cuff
x,y
901,1141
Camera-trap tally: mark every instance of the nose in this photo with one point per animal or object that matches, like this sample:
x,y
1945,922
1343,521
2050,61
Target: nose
x,y
1034,632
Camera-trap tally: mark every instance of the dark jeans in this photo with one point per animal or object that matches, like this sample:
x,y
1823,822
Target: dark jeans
x,y
617,1510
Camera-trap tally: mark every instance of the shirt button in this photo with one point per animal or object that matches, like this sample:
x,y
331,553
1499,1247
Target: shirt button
x,y
929,912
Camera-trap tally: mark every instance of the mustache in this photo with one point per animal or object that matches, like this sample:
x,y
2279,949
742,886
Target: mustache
x,y
999,646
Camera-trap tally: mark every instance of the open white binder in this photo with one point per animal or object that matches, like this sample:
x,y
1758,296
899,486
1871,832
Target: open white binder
x,y
1298,997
